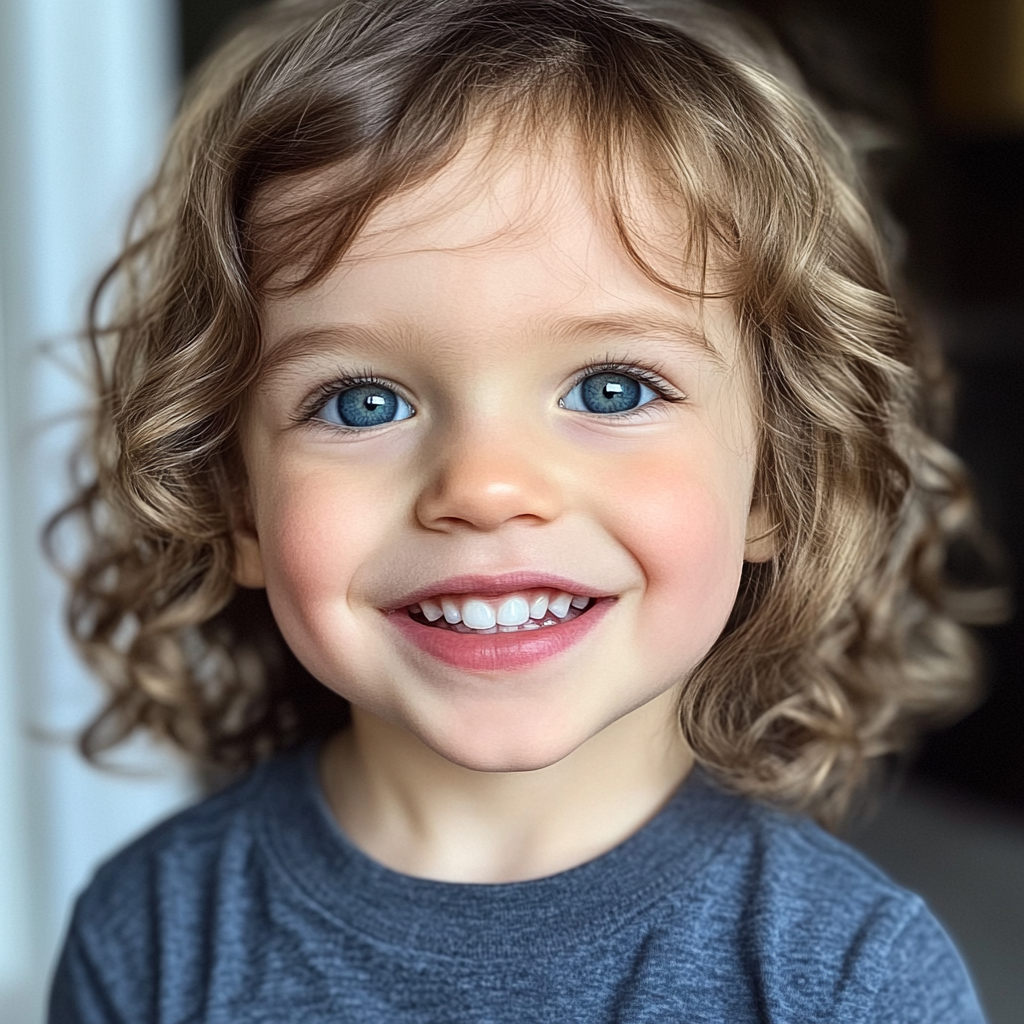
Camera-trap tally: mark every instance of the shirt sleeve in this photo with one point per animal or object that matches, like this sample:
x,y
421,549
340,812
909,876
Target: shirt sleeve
x,y
926,981
78,994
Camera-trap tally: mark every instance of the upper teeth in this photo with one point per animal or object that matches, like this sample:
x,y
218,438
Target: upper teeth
x,y
510,610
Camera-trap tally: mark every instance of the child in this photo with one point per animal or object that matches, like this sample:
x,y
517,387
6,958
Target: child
x,y
534,362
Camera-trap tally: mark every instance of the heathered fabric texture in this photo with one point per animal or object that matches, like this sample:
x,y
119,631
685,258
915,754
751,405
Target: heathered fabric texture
x,y
253,907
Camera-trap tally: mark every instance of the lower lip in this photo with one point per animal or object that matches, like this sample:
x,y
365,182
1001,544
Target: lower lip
x,y
499,652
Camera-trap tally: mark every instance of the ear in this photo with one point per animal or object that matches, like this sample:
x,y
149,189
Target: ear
x,y
248,568
761,535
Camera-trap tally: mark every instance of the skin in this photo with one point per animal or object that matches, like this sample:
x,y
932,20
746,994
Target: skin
x,y
470,294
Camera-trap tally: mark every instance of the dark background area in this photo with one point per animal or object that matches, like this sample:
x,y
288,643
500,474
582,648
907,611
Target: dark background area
x,y
943,82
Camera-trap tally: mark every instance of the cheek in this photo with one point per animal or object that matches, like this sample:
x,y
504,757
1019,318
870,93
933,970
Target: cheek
x,y
315,530
685,528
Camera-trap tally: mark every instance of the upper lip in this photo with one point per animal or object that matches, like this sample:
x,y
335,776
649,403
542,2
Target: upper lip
x,y
494,586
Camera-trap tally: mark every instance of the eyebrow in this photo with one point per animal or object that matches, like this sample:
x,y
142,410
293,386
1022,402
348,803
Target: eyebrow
x,y
309,342
637,325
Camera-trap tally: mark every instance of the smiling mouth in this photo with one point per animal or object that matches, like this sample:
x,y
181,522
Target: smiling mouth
x,y
516,613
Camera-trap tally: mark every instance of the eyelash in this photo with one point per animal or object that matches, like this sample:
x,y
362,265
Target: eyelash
x,y
650,376
647,375
324,392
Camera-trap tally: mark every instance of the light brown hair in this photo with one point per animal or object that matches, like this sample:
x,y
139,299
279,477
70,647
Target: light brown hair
x,y
838,648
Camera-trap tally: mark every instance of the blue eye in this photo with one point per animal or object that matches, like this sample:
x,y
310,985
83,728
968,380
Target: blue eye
x,y
608,393
366,405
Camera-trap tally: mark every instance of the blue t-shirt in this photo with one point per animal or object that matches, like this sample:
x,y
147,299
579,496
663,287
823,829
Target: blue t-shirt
x,y
253,907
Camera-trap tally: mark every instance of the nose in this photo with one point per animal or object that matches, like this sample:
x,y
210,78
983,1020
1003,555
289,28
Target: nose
x,y
487,478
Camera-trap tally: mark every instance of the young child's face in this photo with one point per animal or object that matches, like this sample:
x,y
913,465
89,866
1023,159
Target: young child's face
x,y
485,448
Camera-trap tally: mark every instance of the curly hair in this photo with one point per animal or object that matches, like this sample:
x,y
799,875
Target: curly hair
x,y
838,649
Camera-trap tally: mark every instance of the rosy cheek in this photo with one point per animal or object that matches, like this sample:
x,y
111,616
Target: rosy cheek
x,y
313,536
686,532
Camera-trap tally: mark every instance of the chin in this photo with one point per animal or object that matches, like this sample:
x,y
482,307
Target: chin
x,y
504,747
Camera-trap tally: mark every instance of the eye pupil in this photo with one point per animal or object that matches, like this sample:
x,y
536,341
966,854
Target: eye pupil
x,y
609,393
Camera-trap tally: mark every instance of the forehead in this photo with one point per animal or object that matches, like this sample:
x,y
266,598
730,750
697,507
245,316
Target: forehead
x,y
500,195
516,235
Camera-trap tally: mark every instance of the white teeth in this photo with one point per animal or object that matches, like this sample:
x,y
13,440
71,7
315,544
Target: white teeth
x,y
477,615
513,612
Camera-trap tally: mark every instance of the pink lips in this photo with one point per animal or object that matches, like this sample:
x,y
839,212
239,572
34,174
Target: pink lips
x,y
497,652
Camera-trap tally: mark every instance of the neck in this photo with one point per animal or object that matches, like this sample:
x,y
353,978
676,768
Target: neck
x,y
416,812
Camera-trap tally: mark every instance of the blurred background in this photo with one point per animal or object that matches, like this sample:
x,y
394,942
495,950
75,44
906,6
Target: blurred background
x,y
933,88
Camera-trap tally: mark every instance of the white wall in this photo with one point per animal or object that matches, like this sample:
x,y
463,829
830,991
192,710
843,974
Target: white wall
x,y
86,92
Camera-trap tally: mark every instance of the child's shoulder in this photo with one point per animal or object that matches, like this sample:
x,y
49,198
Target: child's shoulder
x,y
794,856
778,871
828,930
171,872
771,848
188,831
157,908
